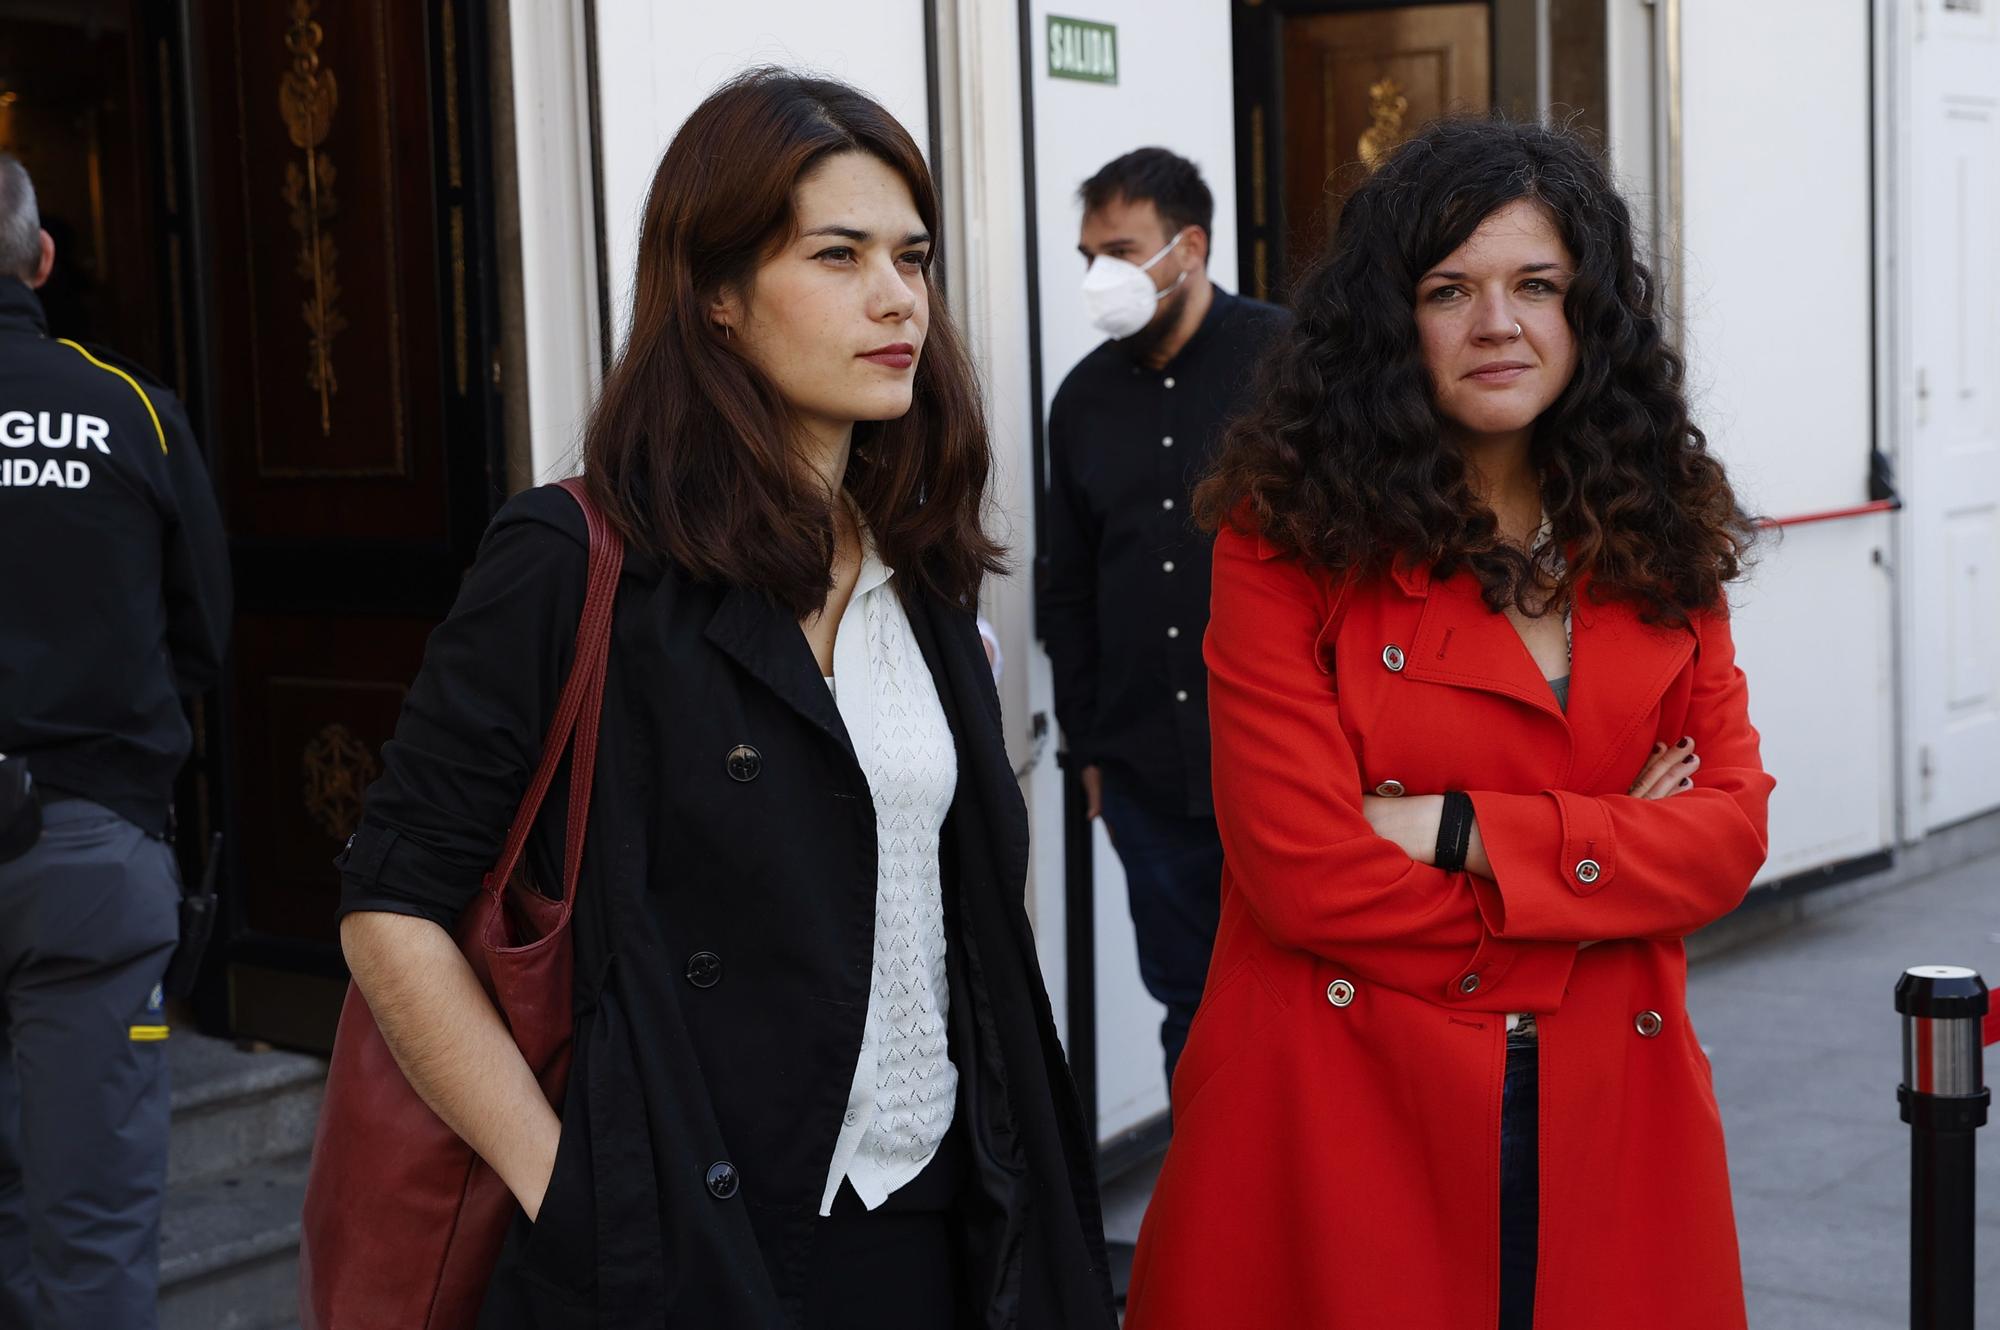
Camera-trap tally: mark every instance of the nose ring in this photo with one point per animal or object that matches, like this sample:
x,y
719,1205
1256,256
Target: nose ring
x,y
1517,330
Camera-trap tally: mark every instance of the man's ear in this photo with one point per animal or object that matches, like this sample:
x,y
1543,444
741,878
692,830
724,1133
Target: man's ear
x,y
47,264
1196,245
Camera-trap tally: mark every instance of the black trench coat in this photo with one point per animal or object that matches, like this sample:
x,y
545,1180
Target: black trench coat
x,y
724,942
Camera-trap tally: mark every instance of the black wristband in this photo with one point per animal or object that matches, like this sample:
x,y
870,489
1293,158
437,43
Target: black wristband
x,y
1454,831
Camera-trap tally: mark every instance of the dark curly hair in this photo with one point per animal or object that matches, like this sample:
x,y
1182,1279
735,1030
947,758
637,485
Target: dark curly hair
x,y
1344,461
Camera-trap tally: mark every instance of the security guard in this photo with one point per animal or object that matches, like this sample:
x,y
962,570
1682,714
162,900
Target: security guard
x,y
114,606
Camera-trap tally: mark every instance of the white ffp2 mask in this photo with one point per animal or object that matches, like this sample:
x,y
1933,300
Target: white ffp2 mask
x,y
1120,297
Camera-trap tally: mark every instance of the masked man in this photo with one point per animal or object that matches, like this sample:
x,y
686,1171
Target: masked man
x,y
1125,600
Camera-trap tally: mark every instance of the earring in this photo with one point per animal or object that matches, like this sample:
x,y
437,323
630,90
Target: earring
x,y
725,330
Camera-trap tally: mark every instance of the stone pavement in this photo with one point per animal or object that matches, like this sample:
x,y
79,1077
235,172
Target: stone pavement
x,y
1803,1034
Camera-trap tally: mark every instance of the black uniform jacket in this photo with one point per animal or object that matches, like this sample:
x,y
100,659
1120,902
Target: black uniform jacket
x,y
114,574
725,933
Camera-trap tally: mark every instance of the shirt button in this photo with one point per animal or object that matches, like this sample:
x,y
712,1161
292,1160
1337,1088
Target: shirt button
x,y
1167,504
1167,442
1167,567
1170,381
722,1180
1173,632
850,1117
1181,696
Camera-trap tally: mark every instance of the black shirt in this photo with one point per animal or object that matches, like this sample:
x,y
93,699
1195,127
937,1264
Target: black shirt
x,y
116,601
1126,598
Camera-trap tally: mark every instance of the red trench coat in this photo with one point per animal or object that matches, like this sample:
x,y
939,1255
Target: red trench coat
x,y
1335,1164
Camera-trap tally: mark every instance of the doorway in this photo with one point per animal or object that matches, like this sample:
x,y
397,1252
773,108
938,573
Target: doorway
x,y
1951,462
283,209
1325,88
1324,92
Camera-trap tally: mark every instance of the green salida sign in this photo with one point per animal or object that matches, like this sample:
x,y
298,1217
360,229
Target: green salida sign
x,y
1081,49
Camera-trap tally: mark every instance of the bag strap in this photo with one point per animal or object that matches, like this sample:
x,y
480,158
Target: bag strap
x,y
577,711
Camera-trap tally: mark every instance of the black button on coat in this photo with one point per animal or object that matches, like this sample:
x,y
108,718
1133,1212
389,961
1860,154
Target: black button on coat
x,y
700,1121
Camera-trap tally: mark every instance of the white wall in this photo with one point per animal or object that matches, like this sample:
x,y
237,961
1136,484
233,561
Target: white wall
x,y
1778,272
656,62
558,241
1174,90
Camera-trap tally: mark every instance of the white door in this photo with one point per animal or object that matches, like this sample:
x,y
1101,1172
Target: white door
x,y
1952,468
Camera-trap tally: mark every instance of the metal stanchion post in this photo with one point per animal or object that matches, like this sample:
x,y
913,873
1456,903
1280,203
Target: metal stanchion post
x,y
1944,1099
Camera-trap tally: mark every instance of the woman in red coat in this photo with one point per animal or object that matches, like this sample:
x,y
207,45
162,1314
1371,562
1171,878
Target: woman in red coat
x,y
1483,759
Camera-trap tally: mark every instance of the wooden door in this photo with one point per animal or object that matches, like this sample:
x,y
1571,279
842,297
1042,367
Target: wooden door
x,y
93,100
78,107
1349,86
353,427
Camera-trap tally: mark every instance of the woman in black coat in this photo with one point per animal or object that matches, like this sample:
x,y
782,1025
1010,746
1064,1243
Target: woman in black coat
x,y
816,1079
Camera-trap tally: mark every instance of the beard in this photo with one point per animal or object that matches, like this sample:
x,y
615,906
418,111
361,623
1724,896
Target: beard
x,y
1142,344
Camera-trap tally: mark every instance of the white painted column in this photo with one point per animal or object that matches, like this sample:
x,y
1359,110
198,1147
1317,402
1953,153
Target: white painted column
x,y
558,227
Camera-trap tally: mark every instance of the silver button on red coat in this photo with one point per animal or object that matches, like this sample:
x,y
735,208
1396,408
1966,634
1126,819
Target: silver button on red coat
x,y
1340,992
1390,789
1588,872
1392,656
1469,984
1648,1024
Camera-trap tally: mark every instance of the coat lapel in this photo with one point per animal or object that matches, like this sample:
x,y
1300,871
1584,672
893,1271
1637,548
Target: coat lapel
x,y
1459,641
951,647
761,637
1619,664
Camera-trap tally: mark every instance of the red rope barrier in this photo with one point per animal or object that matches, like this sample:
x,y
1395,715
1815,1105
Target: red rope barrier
x,y
1832,514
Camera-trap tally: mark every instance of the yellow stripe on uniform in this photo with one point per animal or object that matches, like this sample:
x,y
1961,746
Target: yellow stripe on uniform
x,y
157,429
146,1034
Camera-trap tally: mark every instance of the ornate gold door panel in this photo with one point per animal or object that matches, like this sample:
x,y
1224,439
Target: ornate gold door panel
x,y
352,420
1349,88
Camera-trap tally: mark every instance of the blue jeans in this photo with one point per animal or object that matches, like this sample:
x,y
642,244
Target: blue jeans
x,y
1173,883
1520,1184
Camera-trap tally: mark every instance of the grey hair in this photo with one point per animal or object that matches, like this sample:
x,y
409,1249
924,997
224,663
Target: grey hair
x,y
20,221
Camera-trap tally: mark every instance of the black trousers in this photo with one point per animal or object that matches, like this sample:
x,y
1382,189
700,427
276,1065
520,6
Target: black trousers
x,y
894,1267
1520,1183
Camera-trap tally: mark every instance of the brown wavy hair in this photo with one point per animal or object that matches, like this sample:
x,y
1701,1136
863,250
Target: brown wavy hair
x,y
690,450
1344,460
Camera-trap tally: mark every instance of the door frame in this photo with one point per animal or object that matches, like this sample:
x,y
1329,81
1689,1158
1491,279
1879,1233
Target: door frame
x,y
308,975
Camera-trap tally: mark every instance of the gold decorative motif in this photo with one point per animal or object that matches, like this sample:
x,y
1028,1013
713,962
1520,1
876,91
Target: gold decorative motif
x,y
308,97
337,768
1386,107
